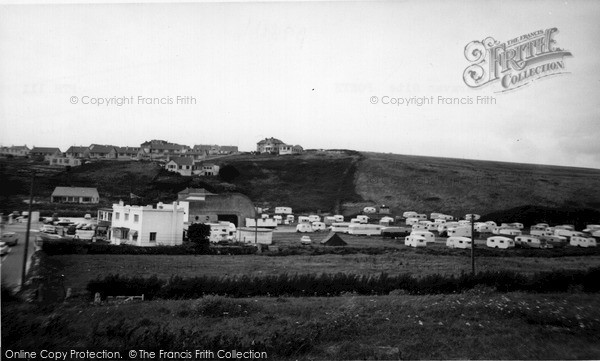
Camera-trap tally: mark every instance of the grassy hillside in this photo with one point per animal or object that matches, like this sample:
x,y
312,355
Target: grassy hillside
x,y
460,186
307,183
333,182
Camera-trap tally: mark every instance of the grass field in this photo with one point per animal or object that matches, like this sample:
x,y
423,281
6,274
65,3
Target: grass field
x,y
78,270
475,325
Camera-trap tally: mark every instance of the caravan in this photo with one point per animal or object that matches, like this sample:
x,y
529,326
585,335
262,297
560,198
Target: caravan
x,y
540,230
429,237
339,218
314,218
318,226
365,229
458,242
415,241
395,232
369,210
530,242
363,219
304,228
460,231
340,227
579,241
500,242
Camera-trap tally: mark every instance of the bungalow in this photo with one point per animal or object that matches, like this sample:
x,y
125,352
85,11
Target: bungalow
x,y
215,149
75,195
16,150
59,160
147,226
208,148
228,149
207,169
161,147
181,165
44,152
77,152
290,149
97,151
127,153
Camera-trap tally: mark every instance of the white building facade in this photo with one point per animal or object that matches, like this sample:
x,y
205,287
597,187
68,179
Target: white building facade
x,y
147,226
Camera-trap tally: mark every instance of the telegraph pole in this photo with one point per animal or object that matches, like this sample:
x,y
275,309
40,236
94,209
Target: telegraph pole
x,y
472,218
24,269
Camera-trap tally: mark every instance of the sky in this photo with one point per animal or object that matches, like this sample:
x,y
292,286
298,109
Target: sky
x,y
317,74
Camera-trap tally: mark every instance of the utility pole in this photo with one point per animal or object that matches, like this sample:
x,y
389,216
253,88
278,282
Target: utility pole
x,y
24,269
472,218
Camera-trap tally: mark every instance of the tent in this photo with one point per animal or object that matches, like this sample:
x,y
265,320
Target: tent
x,y
333,240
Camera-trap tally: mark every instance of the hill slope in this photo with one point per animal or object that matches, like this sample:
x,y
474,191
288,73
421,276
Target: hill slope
x,y
460,186
334,182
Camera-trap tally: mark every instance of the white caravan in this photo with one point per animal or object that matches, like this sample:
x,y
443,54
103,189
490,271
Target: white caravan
x,y
458,242
429,237
500,242
365,229
582,241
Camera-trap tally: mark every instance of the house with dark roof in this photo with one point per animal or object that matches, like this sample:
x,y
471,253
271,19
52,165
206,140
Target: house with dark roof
x,y
276,146
269,145
77,152
44,152
181,165
75,195
163,148
126,153
16,150
98,151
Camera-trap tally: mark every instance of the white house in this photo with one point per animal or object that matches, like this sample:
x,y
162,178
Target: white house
x,y
64,161
75,195
206,169
181,165
147,226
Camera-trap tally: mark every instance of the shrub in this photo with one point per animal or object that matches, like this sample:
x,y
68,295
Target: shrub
x,y
326,285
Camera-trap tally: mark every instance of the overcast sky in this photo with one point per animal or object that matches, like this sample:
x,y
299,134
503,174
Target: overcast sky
x,y
303,72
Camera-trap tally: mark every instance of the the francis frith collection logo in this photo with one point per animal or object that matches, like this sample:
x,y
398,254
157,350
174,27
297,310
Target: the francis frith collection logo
x,y
516,62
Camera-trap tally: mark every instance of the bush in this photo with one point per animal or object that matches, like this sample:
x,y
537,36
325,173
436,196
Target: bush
x,y
217,306
326,285
56,247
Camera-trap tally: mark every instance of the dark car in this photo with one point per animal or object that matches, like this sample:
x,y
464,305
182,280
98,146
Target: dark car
x,y
10,238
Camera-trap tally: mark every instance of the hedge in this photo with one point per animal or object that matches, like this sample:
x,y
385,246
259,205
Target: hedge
x,y
324,285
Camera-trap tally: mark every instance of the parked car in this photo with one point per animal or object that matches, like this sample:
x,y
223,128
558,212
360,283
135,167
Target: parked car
x,y
4,249
10,238
305,240
47,228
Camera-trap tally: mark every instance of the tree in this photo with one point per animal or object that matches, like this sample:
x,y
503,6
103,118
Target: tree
x,y
198,235
228,173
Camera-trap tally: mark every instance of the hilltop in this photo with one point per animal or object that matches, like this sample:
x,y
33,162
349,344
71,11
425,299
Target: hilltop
x,y
340,181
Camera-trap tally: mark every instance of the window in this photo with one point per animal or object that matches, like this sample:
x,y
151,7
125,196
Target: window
x,y
87,199
117,215
136,218
152,236
126,216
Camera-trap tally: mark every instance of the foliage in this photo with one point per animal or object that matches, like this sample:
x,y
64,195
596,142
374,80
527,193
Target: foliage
x,y
58,247
199,234
327,285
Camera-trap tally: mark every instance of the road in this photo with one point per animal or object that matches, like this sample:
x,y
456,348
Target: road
x,y
12,263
